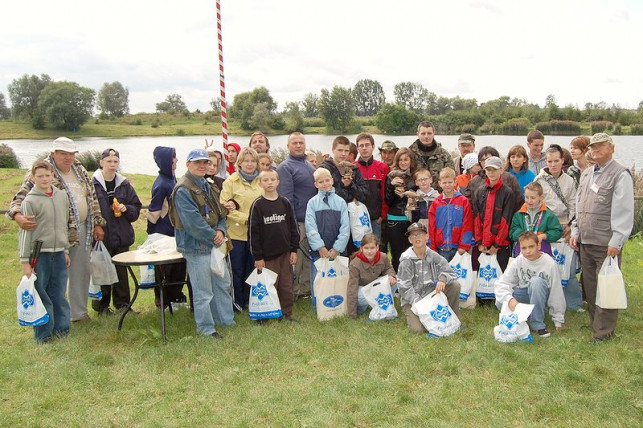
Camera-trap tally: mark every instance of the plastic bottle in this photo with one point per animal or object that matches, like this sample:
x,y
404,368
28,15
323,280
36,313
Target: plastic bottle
x,y
117,212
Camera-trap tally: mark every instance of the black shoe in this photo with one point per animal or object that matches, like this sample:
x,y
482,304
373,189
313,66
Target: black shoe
x,y
106,312
543,333
599,340
216,335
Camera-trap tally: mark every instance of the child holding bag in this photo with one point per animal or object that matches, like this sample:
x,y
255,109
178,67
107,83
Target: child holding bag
x,y
368,265
50,206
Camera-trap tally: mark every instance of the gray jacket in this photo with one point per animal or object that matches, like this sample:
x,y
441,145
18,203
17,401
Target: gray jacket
x,y
417,277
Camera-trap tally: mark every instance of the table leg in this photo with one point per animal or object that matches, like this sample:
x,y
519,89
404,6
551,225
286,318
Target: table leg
x,y
136,287
162,294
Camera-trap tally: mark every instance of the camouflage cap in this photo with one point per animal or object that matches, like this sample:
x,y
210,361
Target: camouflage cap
x,y
599,138
416,227
467,139
388,145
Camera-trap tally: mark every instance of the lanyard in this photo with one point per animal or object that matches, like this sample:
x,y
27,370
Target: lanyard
x,y
531,225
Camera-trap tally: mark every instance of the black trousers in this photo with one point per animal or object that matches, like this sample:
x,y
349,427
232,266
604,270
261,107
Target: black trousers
x,y
118,293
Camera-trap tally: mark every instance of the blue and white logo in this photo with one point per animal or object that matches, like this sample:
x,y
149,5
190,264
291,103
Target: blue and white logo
x,y
487,273
332,273
559,257
509,320
384,300
365,220
27,299
441,313
259,291
459,270
333,301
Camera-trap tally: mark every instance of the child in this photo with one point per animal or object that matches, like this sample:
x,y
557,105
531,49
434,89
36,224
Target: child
x,y
423,180
274,237
493,208
534,216
327,224
311,157
119,233
471,168
422,271
368,265
533,278
518,166
50,206
265,162
450,219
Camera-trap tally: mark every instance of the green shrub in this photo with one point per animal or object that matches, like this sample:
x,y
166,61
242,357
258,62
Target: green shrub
x,y
559,127
38,120
156,123
89,159
8,158
180,132
601,126
516,126
618,129
636,129
314,122
138,122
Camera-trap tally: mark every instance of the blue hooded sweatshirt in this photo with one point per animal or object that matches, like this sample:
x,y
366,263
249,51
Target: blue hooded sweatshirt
x,y
158,220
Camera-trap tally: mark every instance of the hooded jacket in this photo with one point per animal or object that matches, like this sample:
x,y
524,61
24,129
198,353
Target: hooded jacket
x,y
243,194
356,190
415,275
119,232
327,223
493,209
363,272
451,223
374,174
564,210
158,220
545,221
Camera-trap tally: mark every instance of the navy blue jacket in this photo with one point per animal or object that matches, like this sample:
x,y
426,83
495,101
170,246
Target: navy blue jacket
x,y
162,193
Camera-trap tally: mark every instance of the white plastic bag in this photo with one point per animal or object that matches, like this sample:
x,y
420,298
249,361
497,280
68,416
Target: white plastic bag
x,y
330,288
148,279
264,302
157,243
512,326
436,315
379,297
360,222
488,274
217,261
31,311
95,293
563,255
461,266
471,301
610,290
102,269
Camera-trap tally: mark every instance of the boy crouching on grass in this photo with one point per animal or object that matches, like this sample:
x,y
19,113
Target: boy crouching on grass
x,y
50,206
274,237
533,278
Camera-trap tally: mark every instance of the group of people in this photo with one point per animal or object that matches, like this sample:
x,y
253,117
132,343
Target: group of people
x,y
424,206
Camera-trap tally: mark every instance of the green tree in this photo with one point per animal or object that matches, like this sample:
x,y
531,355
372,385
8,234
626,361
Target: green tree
x,y
243,106
553,111
368,96
66,105
5,113
260,118
411,95
113,100
215,103
395,119
337,108
24,93
292,118
309,104
173,104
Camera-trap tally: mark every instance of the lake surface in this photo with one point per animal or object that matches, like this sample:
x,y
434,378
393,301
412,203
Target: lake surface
x,y
136,152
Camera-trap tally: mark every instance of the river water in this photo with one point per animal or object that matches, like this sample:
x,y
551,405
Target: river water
x,y
136,152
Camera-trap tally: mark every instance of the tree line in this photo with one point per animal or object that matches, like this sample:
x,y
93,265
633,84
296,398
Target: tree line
x,y
67,105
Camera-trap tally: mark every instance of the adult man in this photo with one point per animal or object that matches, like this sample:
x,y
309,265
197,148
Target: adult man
x,y
374,173
297,185
604,221
199,220
466,145
535,143
429,153
70,176
387,152
259,142
348,186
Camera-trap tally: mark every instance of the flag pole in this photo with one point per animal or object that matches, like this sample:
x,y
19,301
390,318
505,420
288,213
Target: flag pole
x,y
224,113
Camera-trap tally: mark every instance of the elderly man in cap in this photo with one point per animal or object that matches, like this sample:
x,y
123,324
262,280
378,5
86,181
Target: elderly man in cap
x,y
429,153
603,222
72,177
200,223
466,145
422,271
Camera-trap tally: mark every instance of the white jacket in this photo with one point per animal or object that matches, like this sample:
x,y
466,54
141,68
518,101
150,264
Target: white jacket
x,y
565,213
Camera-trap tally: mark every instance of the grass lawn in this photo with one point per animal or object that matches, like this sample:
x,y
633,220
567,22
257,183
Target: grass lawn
x,y
337,373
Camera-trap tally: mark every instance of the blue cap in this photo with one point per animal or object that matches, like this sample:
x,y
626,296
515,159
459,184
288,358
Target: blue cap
x,y
198,154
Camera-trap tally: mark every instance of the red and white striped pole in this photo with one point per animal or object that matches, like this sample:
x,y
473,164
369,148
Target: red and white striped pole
x,y
224,113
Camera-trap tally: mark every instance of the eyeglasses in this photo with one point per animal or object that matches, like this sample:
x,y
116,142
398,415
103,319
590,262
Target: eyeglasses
x,y
422,180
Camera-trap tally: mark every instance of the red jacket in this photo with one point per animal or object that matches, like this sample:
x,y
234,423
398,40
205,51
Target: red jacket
x,y
451,223
493,208
374,173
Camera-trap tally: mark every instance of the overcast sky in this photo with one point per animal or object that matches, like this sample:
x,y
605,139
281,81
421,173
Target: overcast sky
x,y
581,51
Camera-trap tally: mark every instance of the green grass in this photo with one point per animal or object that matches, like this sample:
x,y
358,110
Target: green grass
x,y
337,373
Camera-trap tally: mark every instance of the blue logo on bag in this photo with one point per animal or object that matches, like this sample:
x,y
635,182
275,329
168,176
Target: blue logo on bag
x,y
259,291
384,300
365,220
509,320
27,299
332,273
333,301
559,257
487,273
441,313
459,270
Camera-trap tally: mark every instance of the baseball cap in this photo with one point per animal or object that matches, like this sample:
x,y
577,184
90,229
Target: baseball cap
x,y
467,138
493,162
600,137
415,227
109,152
469,160
64,144
198,154
388,145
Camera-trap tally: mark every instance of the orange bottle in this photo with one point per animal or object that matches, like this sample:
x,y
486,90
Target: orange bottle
x,y
117,212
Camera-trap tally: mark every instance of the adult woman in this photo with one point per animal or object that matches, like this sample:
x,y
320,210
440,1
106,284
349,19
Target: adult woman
x,y
399,180
239,192
560,197
579,148
518,165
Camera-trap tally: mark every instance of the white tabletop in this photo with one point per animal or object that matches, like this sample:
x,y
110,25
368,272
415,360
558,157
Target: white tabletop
x,y
136,258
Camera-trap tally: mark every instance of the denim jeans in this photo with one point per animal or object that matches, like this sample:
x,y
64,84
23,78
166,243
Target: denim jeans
x,y
211,300
51,282
362,304
242,263
377,229
447,253
535,294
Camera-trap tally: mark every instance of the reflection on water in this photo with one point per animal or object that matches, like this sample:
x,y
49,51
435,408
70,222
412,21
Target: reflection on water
x,y
136,152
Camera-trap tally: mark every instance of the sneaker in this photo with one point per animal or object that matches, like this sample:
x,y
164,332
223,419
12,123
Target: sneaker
x,y
105,312
580,310
543,333
84,318
217,336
